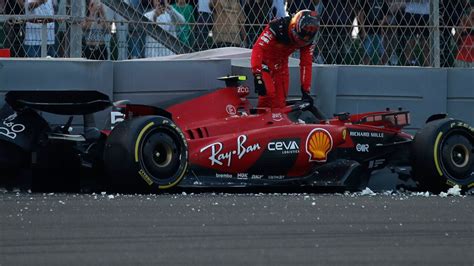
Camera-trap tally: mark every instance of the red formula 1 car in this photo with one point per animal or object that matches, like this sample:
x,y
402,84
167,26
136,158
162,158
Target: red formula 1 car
x,y
216,139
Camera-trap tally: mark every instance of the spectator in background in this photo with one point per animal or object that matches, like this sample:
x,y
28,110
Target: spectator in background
x,y
32,41
136,41
417,17
336,29
167,18
450,13
371,16
465,56
258,14
228,29
203,26
185,33
96,28
278,9
14,29
62,30
391,32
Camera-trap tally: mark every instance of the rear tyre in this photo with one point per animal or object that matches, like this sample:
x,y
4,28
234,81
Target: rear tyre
x,y
145,152
443,155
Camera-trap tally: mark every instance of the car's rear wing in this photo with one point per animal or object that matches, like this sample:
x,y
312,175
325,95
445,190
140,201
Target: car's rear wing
x,y
71,102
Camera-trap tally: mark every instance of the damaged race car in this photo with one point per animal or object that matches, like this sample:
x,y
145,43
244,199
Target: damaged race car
x,y
217,139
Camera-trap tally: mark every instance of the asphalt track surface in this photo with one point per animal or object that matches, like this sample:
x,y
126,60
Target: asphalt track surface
x,y
235,229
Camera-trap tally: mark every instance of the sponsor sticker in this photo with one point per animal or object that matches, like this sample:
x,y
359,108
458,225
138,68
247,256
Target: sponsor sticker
x,y
242,176
219,157
266,38
277,117
276,177
284,146
10,129
362,147
243,90
115,118
318,144
366,134
376,163
230,109
224,176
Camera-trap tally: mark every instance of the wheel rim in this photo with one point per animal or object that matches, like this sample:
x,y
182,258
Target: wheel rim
x,y
460,155
162,154
456,151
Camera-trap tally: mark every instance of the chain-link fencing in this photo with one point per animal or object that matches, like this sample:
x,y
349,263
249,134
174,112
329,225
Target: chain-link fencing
x,y
378,32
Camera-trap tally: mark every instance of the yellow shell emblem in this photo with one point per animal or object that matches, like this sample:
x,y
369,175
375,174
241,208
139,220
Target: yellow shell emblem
x,y
318,145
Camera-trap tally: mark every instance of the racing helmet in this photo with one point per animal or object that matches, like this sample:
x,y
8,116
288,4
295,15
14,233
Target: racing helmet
x,y
304,26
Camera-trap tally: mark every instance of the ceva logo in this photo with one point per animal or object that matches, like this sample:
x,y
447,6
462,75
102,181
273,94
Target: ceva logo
x,y
318,145
284,146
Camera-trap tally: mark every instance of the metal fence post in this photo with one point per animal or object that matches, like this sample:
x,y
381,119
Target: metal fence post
x,y
75,35
435,40
44,39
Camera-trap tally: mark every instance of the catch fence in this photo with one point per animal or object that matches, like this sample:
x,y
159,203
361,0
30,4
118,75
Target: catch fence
x,y
435,33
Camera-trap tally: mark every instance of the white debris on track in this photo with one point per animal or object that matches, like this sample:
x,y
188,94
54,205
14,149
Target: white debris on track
x,y
422,194
454,191
367,192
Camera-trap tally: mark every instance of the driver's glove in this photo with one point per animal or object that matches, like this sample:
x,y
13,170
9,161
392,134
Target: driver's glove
x,y
306,97
259,85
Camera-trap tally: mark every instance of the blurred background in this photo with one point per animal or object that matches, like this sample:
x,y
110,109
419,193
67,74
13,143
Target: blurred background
x,y
429,33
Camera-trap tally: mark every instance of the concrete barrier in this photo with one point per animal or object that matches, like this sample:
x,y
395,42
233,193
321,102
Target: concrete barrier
x,y
151,82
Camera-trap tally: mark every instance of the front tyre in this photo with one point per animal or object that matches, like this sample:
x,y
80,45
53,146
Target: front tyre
x,y
149,151
443,155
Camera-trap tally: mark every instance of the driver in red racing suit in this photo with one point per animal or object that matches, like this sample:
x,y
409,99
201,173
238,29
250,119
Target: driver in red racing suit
x,y
270,54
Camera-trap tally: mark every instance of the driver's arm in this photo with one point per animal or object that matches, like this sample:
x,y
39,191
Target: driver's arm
x,y
263,43
306,65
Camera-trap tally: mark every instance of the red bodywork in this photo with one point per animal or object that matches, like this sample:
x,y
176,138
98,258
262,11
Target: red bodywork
x,y
225,135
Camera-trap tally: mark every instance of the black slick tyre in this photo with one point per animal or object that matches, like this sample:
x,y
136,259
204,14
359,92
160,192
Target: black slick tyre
x,y
148,152
443,155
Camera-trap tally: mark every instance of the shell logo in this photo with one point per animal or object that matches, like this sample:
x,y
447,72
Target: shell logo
x,y
318,145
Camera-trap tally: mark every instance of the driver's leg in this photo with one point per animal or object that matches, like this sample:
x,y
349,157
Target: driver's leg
x,y
267,100
281,87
